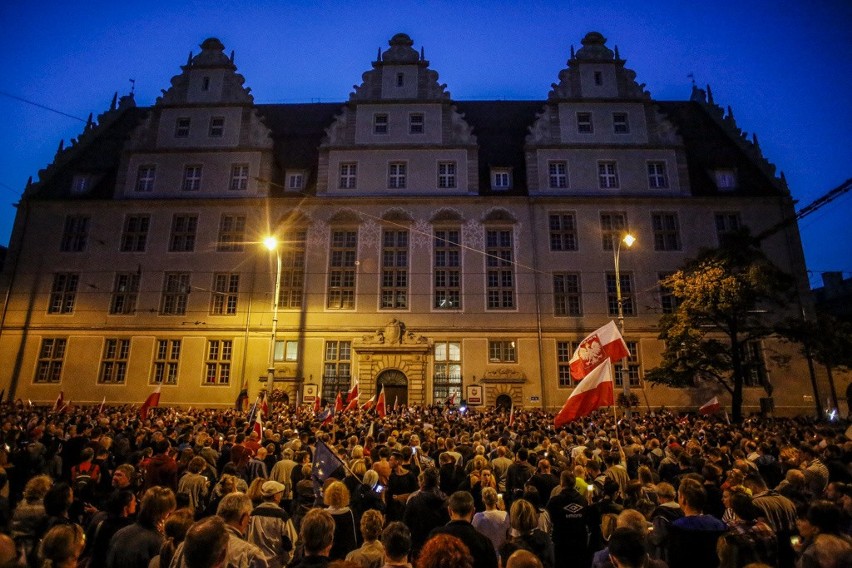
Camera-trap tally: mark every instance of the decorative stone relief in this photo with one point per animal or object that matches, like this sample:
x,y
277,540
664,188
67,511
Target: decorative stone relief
x,y
504,374
369,237
460,131
318,236
473,235
421,235
335,134
540,131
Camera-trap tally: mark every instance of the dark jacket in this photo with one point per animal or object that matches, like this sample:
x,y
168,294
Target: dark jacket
x,y
576,527
424,512
537,542
480,547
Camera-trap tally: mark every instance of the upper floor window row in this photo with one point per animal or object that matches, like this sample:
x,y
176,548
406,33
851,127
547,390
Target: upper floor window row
x,y
586,123
146,178
416,123
608,174
397,175
215,129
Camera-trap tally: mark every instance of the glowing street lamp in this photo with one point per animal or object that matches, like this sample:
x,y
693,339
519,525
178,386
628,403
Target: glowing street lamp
x,y
628,240
271,243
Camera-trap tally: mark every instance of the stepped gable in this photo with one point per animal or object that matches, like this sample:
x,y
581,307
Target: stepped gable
x,y
709,147
212,59
400,53
595,52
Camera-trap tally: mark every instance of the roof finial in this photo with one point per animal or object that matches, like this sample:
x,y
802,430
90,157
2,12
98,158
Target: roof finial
x,y
730,113
422,53
132,86
709,95
114,101
61,146
232,57
572,51
379,56
30,181
616,53
89,123
755,142
189,59
782,177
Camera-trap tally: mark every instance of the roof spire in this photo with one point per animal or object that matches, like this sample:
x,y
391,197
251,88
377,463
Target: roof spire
x,y
616,53
30,182
422,53
114,101
61,146
89,123
232,56
189,59
709,95
730,113
572,51
379,56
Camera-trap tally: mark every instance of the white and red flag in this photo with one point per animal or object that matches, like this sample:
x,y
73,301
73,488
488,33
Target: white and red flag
x,y
369,404
603,343
352,406
380,404
395,404
512,415
712,406
338,403
60,402
353,393
152,401
258,425
264,406
594,391
316,405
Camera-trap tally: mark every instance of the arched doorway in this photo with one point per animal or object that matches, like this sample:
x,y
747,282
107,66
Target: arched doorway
x,y
396,386
504,402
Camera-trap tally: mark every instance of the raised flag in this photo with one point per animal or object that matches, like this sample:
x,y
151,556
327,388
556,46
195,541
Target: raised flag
x,y
395,404
325,465
316,405
451,400
512,415
101,407
242,401
352,406
353,393
369,404
257,427
152,401
264,406
60,402
603,343
594,391
325,414
338,403
380,404
712,406
253,412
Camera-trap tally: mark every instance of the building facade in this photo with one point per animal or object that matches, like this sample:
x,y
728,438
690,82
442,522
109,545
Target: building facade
x,y
425,244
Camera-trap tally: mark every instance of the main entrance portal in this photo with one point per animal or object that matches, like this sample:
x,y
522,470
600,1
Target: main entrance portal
x,y
396,387
504,402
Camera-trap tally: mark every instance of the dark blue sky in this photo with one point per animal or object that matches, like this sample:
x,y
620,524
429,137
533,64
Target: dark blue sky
x,y
783,66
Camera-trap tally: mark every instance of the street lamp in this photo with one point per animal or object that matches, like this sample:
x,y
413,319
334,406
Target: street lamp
x,y
628,240
271,243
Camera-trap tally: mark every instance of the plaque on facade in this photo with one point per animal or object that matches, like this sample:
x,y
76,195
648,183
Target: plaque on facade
x,y
474,395
309,393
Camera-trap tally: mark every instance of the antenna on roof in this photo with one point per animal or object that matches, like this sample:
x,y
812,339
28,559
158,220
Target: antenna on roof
x,y
691,76
132,86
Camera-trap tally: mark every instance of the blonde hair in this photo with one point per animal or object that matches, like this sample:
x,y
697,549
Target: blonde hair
x,y
37,487
336,495
523,517
62,543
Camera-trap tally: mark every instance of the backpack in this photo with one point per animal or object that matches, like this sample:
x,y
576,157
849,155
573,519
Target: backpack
x,y
84,480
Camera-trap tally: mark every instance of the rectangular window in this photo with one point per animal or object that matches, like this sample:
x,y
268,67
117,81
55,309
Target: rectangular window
x,y
754,363
135,233
218,363
295,181
626,294
566,294
239,177
145,176
232,229
620,124
286,351
415,123
446,175
166,360
223,297
668,301
217,126
613,226
205,84
584,123
633,366
337,368
726,223
81,183
726,179
75,234
192,178
598,78
447,269
557,174
400,79
182,127
380,124
502,351
175,294
341,270
292,269
563,231
564,352
182,238
666,231
501,179
500,269
348,175
607,175
63,293
396,175
125,290
447,379
114,362
657,177
394,292
51,356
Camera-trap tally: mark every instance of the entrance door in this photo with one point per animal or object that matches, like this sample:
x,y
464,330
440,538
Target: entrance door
x,y
396,387
504,401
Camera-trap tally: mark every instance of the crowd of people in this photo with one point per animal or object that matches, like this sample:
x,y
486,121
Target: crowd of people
x,y
426,487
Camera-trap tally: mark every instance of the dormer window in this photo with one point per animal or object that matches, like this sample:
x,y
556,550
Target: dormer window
x,y
415,123
217,126
182,127
295,181
598,78
81,183
205,84
584,123
501,179
620,124
726,179
380,124
400,79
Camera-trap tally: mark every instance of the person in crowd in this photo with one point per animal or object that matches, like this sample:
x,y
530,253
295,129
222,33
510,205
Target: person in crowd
x,y
195,485
819,529
371,554
692,538
493,522
460,508
271,527
425,510
61,546
635,521
627,549
174,533
28,518
119,513
135,545
396,539
205,545
444,550
316,538
346,538
523,519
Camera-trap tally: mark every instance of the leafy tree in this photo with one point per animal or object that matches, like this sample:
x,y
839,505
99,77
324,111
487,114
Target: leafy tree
x,y
723,297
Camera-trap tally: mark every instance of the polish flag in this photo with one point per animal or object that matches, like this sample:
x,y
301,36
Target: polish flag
x,y
353,393
369,404
101,407
712,406
594,391
264,406
60,402
258,426
395,404
352,406
604,343
512,415
338,404
380,404
316,405
152,401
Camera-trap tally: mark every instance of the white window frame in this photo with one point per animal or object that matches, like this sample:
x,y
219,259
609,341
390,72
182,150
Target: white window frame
x,y
348,175
217,127
557,174
239,177
608,174
192,177
416,123
397,175
658,177
726,179
585,122
381,123
447,174
501,179
286,351
146,176
620,123
182,126
296,181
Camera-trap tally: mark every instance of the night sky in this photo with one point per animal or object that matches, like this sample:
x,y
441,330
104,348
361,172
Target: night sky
x,y
785,67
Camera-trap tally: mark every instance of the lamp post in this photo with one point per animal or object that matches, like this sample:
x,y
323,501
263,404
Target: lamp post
x,y
271,243
628,240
